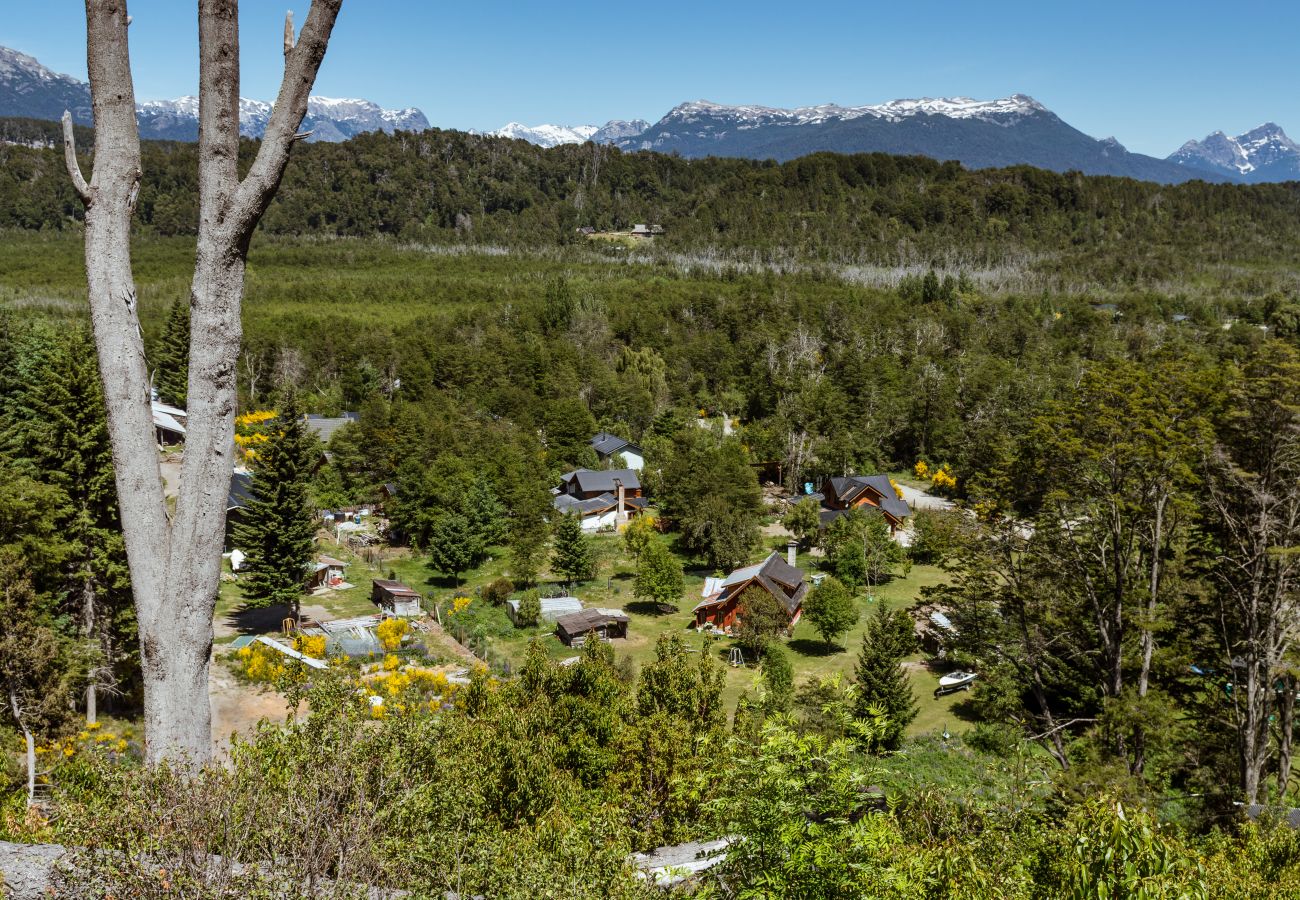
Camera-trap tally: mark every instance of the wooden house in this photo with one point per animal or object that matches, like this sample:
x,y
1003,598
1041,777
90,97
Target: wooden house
x,y
780,578
396,599
839,494
574,629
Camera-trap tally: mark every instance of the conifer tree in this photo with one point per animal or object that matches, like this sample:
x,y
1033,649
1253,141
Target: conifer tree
x,y
56,433
278,527
882,683
172,356
572,558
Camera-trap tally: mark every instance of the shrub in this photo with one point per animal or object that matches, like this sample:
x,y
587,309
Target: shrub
x,y
390,633
498,591
530,609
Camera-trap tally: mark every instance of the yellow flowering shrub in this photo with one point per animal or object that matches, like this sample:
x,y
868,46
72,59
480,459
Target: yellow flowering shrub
x,y
312,645
392,663
898,491
943,478
93,738
390,633
460,604
921,469
259,662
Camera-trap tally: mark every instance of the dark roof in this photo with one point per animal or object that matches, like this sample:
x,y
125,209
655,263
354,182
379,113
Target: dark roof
x,y
602,480
607,444
241,490
850,489
775,575
603,503
325,426
394,588
579,622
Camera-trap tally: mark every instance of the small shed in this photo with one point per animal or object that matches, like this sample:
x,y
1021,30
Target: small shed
x,y
395,598
553,608
605,624
326,572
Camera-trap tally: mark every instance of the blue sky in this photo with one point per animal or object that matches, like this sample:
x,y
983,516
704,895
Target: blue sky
x,y
1153,74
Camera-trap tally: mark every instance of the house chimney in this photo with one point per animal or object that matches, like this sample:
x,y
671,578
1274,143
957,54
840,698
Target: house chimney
x,y
791,551
620,517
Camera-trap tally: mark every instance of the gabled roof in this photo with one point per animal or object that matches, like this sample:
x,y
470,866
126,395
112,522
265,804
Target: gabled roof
x,y
394,588
594,505
602,481
878,488
607,444
325,426
780,579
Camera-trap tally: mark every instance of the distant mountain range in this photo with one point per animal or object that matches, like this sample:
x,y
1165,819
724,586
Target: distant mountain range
x,y
29,89
979,133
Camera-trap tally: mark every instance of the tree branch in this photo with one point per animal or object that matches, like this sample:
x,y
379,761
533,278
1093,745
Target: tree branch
x,y
288,32
301,63
70,159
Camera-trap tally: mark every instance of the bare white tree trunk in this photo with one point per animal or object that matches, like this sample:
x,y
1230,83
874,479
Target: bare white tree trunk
x,y
175,563
30,742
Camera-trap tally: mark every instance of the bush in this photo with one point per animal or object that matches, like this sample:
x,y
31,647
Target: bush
x,y
530,609
390,633
498,591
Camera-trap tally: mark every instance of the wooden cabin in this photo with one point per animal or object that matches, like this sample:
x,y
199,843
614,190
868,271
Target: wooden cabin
x,y
780,578
605,624
396,599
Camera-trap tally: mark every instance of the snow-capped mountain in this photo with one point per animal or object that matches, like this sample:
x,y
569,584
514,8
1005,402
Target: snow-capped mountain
x,y
546,135
1015,130
328,119
1264,153
707,114
29,89
554,135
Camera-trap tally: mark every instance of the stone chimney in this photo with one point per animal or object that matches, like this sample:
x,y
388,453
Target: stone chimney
x,y
791,552
621,516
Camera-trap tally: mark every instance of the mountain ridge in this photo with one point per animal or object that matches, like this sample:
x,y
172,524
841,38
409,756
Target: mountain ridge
x,y
30,89
1263,154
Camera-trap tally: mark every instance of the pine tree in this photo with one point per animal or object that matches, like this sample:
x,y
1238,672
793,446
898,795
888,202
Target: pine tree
x,y
278,527
172,356
882,683
56,432
572,557
659,576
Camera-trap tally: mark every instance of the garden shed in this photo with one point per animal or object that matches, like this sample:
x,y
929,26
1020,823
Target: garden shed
x,y
396,599
574,629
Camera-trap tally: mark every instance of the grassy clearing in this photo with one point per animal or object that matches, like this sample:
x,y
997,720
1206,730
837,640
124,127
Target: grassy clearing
x,y
613,588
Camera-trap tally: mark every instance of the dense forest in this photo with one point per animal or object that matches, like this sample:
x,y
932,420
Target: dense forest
x,y
1107,372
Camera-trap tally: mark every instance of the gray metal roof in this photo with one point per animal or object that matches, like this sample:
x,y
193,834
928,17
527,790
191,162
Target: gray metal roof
x,y
325,426
607,444
602,480
241,490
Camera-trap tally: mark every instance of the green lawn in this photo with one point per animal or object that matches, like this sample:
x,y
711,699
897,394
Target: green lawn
x,y
613,588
